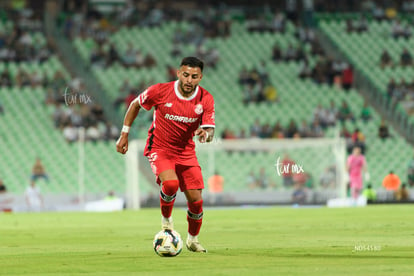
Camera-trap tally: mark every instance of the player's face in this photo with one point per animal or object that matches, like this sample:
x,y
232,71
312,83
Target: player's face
x,y
357,151
188,79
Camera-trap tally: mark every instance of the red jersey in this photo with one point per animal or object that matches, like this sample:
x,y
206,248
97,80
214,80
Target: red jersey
x,y
176,118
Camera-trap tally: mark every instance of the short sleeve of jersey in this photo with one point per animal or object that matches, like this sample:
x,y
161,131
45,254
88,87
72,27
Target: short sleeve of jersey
x,y
149,97
208,118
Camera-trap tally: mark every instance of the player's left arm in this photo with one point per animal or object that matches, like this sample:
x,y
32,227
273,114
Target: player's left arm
x,y
364,166
206,130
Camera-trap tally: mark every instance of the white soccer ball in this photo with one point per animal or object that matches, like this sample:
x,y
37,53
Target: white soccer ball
x,y
167,243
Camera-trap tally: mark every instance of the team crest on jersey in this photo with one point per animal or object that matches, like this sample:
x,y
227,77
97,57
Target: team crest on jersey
x,y
198,109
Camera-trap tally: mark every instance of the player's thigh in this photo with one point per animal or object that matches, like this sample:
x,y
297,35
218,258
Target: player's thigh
x,y
190,177
168,174
162,165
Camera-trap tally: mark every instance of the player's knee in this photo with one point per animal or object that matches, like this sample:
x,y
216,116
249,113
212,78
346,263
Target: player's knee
x,y
170,187
194,199
193,195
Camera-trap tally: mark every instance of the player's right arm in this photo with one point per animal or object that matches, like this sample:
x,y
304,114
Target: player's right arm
x,y
145,100
131,114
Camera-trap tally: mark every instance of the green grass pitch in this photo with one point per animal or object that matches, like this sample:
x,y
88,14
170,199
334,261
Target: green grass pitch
x,y
376,240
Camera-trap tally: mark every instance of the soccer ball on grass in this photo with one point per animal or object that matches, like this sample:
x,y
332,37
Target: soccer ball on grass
x,y
168,243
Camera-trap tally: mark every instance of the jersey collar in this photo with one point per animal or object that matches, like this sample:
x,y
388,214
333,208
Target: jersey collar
x,y
181,96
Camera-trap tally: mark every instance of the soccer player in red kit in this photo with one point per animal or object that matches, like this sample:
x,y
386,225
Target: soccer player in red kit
x,y
182,109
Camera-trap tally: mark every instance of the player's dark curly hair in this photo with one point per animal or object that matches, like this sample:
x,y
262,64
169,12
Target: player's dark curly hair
x,y
193,62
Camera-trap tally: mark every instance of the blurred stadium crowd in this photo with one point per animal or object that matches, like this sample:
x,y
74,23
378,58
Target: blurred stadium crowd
x,y
296,33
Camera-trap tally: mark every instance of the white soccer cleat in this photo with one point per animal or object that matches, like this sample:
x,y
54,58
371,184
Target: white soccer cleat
x,y
195,246
167,223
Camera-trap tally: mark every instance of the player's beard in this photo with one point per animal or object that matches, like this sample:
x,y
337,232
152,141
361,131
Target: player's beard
x,y
186,89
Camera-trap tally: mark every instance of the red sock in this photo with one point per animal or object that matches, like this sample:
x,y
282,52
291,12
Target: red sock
x,y
195,217
167,197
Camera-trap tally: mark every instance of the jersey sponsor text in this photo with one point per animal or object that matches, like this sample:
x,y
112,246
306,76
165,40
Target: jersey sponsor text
x,y
180,118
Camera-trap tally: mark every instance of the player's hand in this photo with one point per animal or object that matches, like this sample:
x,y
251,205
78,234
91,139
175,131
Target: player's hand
x,y
202,135
122,143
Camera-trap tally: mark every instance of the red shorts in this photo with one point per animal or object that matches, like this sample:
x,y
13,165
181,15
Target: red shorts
x,y
188,170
